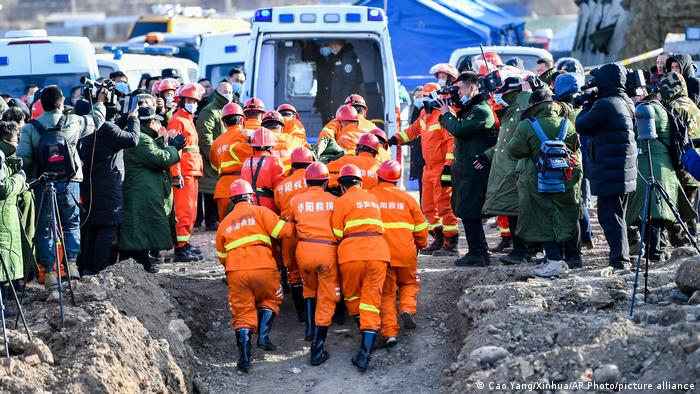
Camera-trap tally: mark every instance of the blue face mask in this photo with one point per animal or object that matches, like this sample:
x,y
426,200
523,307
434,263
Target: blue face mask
x,y
464,100
122,87
325,51
237,88
419,103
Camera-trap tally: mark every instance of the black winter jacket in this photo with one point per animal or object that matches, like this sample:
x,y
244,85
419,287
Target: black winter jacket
x,y
611,150
101,190
688,69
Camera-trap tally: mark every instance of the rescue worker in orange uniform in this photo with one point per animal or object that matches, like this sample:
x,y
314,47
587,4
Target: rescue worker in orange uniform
x,y
346,127
286,143
384,152
291,186
227,154
365,158
292,122
243,243
317,256
363,256
166,105
438,151
405,231
263,170
185,173
253,110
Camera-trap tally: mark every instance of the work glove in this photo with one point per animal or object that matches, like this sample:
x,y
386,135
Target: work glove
x,y
178,141
178,182
446,176
480,162
393,141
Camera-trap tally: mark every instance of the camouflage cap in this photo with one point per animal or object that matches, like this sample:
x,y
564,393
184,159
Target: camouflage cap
x,y
672,86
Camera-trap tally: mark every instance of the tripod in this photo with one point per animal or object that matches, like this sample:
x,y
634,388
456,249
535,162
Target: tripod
x,y
56,236
654,186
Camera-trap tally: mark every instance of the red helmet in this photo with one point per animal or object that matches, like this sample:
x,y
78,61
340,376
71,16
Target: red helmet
x,y
273,117
356,99
429,88
381,135
231,109
239,187
37,109
254,104
350,170
369,140
445,68
166,84
346,112
493,58
302,155
191,90
390,171
262,138
316,171
288,107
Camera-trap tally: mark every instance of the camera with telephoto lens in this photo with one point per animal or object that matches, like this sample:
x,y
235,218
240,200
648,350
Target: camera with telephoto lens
x,y
91,89
448,93
490,83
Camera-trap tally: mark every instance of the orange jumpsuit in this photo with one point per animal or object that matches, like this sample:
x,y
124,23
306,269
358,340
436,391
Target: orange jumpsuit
x,y
316,252
438,151
291,186
284,147
269,176
243,247
367,163
190,168
362,254
251,124
405,231
227,154
332,129
295,128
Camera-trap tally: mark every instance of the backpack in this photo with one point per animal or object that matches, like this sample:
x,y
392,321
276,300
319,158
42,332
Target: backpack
x,y
554,161
679,133
53,152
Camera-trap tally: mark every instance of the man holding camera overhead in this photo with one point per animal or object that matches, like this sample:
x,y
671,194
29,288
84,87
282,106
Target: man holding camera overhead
x,y
474,131
438,147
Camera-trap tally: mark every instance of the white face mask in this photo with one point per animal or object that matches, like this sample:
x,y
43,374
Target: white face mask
x,y
442,82
191,107
228,96
419,102
498,99
169,102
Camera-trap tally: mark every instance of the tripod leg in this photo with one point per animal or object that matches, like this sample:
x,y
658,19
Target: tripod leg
x,y
64,261
14,294
4,327
642,235
677,215
53,231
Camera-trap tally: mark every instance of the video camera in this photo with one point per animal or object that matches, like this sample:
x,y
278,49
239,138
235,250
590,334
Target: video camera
x,y
91,89
490,83
448,93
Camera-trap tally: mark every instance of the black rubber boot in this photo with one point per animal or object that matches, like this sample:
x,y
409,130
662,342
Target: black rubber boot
x,y
298,298
438,241
266,317
449,247
503,245
243,343
318,355
409,321
310,304
183,255
361,359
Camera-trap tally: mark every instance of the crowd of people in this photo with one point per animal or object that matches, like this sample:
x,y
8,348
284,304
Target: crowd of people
x,y
100,176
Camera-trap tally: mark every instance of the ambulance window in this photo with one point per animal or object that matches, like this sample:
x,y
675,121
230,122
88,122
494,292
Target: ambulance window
x,y
218,72
105,70
301,79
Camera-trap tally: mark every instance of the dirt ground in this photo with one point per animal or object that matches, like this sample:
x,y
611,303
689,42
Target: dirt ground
x,y
477,328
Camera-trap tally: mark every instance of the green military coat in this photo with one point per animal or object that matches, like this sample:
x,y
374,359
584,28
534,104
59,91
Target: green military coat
x,y
11,186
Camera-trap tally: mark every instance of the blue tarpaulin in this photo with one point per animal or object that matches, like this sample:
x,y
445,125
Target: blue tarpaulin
x,y
425,32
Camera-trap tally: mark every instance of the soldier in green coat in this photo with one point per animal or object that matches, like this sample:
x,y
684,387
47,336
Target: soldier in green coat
x,y
664,172
551,219
209,127
148,220
12,184
674,95
502,192
474,129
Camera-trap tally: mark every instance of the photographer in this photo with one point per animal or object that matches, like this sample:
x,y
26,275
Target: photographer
x,y
612,156
71,128
473,128
674,95
101,191
148,223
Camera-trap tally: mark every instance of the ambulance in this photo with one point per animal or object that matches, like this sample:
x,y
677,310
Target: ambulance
x,y
278,74
135,65
221,52
32,57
